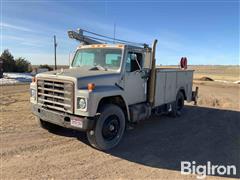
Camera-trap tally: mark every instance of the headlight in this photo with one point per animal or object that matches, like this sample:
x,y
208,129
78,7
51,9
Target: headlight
x,y
33,92
81,103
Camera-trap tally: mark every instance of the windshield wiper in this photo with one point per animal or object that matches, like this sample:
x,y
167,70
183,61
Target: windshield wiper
x,y
98,67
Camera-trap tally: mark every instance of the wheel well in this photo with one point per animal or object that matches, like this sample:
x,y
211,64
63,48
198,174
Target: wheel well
x,y
117,100
184,94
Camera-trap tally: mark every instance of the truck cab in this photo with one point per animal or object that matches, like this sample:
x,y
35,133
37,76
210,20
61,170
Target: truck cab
x,y
106,87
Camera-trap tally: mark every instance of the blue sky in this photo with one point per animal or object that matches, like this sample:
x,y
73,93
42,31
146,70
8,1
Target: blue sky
x,y
207,32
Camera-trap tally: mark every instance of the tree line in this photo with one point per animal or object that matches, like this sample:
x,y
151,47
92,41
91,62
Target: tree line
x,y
10,64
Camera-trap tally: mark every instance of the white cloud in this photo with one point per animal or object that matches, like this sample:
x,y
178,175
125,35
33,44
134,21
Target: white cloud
x,y
15,27
26,41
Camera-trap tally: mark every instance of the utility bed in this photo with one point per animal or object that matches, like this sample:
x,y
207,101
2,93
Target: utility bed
x,y
169,81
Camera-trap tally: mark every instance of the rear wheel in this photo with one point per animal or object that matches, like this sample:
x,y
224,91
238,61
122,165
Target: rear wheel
x,y
178,105
109,128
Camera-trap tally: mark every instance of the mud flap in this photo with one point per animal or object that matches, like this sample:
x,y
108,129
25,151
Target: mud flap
x,y
195,96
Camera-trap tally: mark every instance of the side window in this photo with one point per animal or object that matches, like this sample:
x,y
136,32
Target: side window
x,y
133,62
128,63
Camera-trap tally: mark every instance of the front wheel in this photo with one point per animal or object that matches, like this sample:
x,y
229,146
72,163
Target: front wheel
x,y
109,128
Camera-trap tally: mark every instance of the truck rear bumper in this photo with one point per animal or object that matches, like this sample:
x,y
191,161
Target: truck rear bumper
x,y
63,119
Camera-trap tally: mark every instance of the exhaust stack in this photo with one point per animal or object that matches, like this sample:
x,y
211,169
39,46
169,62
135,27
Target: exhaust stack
x,y
152,80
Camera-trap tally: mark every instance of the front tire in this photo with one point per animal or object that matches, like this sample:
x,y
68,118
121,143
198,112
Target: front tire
x,y
109,128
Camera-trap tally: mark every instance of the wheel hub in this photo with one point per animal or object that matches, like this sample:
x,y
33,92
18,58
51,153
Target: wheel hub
x,y
110,127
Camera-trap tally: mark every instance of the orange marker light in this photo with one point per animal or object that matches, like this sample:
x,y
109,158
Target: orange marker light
x,y
91,86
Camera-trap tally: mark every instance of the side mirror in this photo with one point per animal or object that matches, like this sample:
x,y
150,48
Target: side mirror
x,y
133,57
145,73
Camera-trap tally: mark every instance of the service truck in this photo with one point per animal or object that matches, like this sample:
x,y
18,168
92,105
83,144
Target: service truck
x,y
107,86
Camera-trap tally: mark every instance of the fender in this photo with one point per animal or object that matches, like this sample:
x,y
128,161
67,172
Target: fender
x,y
102,92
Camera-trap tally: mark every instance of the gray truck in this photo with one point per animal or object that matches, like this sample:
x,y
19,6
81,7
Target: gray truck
x,y
107,87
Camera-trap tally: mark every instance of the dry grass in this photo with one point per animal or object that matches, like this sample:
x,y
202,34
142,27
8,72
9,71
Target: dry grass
x,y
215,72
212,101
226,73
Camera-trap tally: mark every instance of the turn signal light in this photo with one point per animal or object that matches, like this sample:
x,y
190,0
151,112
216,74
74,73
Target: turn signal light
x,y
91,86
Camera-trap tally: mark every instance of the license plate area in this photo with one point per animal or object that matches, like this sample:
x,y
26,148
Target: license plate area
x,y
76,122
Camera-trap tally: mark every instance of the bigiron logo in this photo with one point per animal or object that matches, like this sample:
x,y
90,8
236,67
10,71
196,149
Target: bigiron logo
x,y
202,171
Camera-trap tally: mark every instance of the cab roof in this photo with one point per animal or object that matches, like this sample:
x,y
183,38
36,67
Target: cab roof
x,y
121,46
102,46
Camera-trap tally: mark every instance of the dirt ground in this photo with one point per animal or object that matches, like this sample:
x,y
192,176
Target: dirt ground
x,y
152,149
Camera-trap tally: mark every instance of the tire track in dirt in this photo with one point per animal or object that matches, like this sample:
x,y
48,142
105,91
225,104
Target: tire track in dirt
x,y
35,140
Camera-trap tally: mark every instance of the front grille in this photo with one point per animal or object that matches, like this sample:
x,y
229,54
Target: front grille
x,y
55,94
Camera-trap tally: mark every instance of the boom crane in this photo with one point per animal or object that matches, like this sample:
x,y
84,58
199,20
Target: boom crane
x,y
82,38
95,38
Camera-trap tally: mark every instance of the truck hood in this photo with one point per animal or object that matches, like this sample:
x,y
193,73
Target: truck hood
x,y
83,76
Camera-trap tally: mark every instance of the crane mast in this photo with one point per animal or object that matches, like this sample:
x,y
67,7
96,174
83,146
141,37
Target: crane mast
x,y
95,38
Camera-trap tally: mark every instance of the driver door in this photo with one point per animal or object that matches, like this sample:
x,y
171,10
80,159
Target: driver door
x,y
135,84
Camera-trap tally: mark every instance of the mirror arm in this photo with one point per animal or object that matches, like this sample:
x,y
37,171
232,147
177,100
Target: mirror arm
x,y
138,64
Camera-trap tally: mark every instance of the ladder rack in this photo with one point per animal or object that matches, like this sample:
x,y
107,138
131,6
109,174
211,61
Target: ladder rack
x,y
95,38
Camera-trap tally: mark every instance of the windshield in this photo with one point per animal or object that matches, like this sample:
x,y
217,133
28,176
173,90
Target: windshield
x,y
103,57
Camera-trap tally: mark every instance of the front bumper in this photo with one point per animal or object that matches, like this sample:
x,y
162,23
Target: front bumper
x,y
62,119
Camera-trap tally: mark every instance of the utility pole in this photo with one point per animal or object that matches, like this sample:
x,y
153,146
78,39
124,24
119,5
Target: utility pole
x,y
55,54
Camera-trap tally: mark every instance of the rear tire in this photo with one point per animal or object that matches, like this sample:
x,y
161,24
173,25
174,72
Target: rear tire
x,y
109,128
178,105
